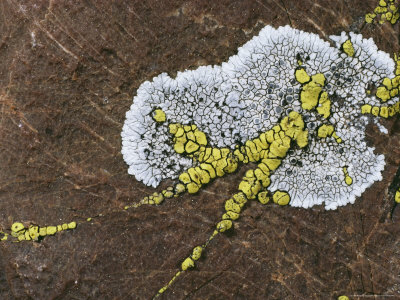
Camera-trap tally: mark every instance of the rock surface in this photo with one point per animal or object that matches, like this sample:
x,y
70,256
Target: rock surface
x,y
68,72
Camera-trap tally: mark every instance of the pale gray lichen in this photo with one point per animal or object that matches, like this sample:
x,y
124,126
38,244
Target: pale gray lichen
x,y
249,94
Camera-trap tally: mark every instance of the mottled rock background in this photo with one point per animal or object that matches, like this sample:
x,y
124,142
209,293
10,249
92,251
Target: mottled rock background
x,y
68,72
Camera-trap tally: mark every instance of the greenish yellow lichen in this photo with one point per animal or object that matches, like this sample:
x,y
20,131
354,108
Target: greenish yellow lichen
x,y
348,48
33,232
386,10
347,177
159,116
268,150
397,196
312,94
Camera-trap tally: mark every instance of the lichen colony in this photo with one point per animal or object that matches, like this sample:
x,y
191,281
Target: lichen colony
x,y
295,105
256,88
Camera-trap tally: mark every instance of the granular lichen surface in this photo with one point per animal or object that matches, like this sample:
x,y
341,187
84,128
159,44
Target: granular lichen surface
x,y
66,86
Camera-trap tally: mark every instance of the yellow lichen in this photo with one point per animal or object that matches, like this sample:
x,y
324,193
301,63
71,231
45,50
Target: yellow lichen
x,y
348,48
159,116
397,196
302,76
347,179
384,11
263,197
281,198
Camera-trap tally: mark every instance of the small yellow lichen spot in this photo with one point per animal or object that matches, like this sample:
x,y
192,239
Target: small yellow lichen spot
x,y
224,225
192,188
180,188
240,198
278,149
5,236
319,78
231,205
230,215
263,197
179,148
347,179
302,76
369,18
387,83
281,198
309,95
366,109
337,138
325,105
173,128
185,178
325,131
232,164
375,111
302,139
187,264
159,116
51,230
383,93
17,226
343,298
201,138
72,225
42,231
196,254
384,112
348,48
397,196
34,232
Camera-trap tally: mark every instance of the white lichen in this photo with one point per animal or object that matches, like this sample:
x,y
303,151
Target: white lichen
x,y
249,94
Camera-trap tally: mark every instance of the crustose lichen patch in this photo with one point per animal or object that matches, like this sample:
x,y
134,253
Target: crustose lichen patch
x,y
289,102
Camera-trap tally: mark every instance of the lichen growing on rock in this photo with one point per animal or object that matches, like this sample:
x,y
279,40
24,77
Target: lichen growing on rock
x,y
288,101
279,71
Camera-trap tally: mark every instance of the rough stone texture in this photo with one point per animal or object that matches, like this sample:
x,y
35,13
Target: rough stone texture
x,y
68,72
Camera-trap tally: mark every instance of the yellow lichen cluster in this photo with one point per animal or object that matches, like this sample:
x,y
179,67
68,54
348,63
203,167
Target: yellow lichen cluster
x,y
312,93
386,91
389,87
387,10
268,150
34,232
382,111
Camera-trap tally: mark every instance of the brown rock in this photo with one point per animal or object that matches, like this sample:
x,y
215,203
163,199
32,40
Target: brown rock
x,y
68,72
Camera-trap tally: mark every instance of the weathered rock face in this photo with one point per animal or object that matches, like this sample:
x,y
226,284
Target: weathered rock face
x,y
68,72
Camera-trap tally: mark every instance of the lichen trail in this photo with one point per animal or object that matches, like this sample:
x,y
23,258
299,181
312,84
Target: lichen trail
x,y
20,232
268,150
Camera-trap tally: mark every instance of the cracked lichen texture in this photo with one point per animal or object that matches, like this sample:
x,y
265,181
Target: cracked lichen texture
x,y
277,72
